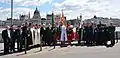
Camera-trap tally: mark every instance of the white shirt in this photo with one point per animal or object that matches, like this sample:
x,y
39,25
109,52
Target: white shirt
x,y
8,31
63,28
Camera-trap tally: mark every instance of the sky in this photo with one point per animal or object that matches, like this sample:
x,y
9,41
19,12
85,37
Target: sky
x,y
72,8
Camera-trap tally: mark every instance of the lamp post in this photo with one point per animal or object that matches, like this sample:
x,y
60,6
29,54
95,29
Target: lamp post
x,y
11,12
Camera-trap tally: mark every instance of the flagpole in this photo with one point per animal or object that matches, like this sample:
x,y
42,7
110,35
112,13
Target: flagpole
x,y
81,27
52,18
11,12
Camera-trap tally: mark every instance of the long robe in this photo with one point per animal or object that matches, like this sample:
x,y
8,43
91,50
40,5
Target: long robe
x,y
37,36
33,39
63,34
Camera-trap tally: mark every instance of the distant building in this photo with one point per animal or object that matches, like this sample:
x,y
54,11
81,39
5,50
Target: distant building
x,y
1,23
15,22
24,17
36,19
106,21
57,18
49,19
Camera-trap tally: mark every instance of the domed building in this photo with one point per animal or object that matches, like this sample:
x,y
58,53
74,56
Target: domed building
x,y
36,14
36,19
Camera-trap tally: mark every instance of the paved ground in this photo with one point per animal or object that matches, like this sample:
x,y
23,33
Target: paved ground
x,y
70,52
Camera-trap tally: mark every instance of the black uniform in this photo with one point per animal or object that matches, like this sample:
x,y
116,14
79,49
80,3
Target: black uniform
x,y
6,39
29,37
79,33
91,34
24,35
96,34
49,36
85,32
105,38
13,39
54,32
41,31
111,30
44,36
100,32
88,34
19,39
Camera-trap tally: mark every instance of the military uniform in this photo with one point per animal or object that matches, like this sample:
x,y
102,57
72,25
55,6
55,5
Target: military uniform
x,y
88,34
96,34
13,39
85,33
105,38
18,34
111,30
6,38
100,34
54,37
79,33
24,35
29,38
91,34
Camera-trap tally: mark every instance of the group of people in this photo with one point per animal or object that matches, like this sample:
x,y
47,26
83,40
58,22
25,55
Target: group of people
x,y
28,35
22,35
99,34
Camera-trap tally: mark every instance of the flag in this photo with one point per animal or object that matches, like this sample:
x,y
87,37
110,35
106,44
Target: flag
x,y
63,19
52,18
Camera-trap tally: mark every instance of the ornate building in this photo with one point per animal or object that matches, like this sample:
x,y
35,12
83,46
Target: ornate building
x,y
36,19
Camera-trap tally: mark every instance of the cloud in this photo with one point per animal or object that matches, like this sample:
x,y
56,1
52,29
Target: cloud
x,y
28,2
72,8
89,8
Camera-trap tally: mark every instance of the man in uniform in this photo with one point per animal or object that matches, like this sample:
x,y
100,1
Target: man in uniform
x,y
25,35
79,33
91,34
18,33
111,30
87,33
96,34
29,35
13,39
101,34
105,37
6,38
54,32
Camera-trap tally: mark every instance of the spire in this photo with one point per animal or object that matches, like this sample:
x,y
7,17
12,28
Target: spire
x,y
53,18
36,8
80,15
36,14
